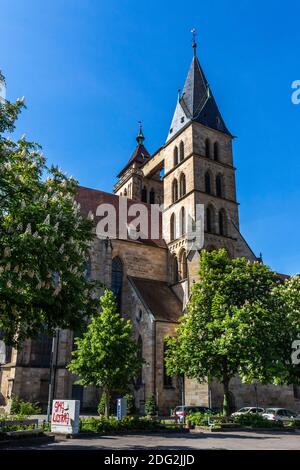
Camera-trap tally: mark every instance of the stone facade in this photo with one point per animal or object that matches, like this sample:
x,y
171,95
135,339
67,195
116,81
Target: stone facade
x,y
194,166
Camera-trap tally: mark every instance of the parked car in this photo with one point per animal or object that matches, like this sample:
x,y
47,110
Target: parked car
x,y
281,414
248,409
182,411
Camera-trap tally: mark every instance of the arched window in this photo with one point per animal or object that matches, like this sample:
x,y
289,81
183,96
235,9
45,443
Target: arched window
x,y
181,151
139,378
216,151
117,280
175,156
174,190
182,184
125,192
144,194
222,222
207,183
168,382
183,265
207,148
219,186
210,219
175,277
40,353
172,227
182,222
152,196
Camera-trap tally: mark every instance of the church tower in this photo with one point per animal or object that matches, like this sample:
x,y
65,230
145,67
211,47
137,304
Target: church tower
x,y
131,181
199,170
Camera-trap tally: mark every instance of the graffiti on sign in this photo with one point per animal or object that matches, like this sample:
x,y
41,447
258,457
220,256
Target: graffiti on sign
x,y
61,413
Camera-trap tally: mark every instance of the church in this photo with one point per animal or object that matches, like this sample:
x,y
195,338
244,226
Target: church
x,y
152,276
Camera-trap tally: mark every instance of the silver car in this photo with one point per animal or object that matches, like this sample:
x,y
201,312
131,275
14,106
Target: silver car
x,y
281,414
248,410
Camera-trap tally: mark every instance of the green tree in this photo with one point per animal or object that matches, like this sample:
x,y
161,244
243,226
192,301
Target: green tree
x,y
234,325
106,355
151,406
44,241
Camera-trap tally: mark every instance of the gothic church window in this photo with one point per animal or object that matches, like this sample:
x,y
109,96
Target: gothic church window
x,y
117,280
210,219
216,151
175,156
182,222
144,194
222,222
207,183
183,265
219,186
174,190
181,151
139,378
207,148
40,353
182,184
174,270
152,196
168,382
172,227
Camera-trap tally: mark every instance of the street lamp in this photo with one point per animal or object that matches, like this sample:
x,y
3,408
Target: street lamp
x,y
53,366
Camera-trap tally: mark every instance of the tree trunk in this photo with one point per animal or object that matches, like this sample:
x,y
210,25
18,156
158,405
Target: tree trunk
x,y
226,401
107,403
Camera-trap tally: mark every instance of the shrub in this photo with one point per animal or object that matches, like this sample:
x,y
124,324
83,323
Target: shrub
x,y
294,424
150,406
101,406
130,403
110,425
199,419
23,408
249,420
256,421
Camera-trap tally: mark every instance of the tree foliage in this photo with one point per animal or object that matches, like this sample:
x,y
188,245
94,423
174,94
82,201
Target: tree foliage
x,y
106,355
237,323
44,241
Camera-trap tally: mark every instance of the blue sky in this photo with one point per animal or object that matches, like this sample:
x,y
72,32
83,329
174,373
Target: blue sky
x,y
91,69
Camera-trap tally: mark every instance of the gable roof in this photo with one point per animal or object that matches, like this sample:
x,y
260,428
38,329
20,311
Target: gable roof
x,y
90,199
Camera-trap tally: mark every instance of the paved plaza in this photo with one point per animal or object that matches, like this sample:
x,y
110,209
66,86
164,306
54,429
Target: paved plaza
x,y
180,441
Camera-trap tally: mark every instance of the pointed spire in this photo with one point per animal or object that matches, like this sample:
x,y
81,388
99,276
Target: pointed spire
x,y
196,102
140,154
140,137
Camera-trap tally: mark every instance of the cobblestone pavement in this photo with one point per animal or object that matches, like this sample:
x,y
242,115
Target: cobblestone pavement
x,y
179,441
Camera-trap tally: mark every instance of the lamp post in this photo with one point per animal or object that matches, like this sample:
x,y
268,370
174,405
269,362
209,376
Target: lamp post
x,y
53,366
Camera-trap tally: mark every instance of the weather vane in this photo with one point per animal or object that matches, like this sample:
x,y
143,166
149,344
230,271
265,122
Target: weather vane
x,y
194,44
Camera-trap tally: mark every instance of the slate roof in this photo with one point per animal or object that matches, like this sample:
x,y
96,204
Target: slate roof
x,y
89,199
197,103
159,298
139,156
